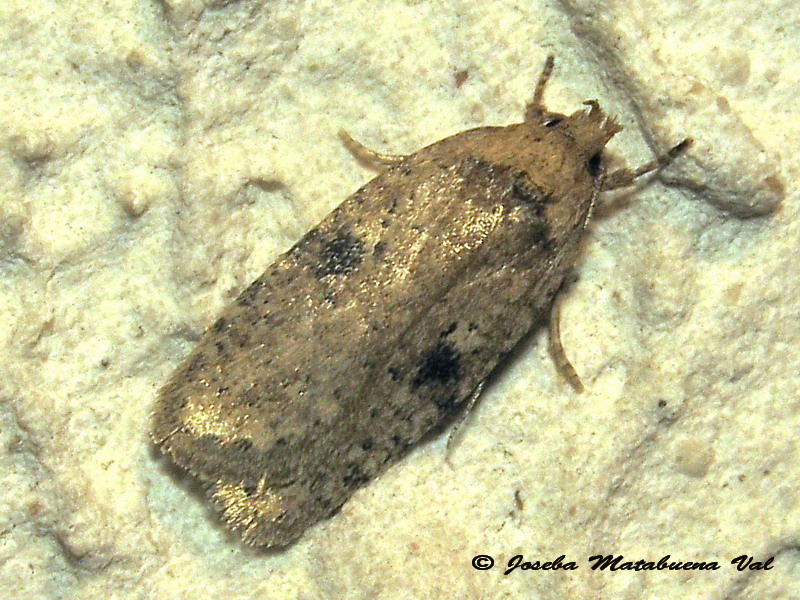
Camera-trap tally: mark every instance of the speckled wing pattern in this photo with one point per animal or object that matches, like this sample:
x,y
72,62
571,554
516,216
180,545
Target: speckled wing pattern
x,y
375,326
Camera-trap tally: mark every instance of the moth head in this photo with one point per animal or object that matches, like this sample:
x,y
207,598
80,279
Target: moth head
x,y
591,129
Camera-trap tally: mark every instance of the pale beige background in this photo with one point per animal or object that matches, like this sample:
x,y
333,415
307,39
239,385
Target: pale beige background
x,y
156,156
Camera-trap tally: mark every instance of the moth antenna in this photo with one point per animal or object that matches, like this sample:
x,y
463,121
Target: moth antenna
x,y
535,107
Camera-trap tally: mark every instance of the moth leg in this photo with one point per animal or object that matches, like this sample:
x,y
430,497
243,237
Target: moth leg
x,y
464,414
563,365
535,109
371,157
626,177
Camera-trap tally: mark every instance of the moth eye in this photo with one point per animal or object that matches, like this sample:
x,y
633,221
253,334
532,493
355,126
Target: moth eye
x,y
594,164
553,121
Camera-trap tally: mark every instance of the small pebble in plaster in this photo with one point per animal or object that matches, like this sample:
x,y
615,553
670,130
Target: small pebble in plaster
x,y
693,458
459,77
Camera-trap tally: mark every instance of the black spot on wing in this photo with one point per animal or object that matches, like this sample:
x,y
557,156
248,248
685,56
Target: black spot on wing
x,y
438,366
341,254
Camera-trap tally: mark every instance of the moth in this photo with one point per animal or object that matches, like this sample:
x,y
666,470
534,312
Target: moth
x,y
386,318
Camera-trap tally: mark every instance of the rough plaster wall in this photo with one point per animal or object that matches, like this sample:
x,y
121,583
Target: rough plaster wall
x,y
157,157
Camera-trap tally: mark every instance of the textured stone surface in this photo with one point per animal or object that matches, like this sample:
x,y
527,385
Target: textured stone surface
x,y
157,157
